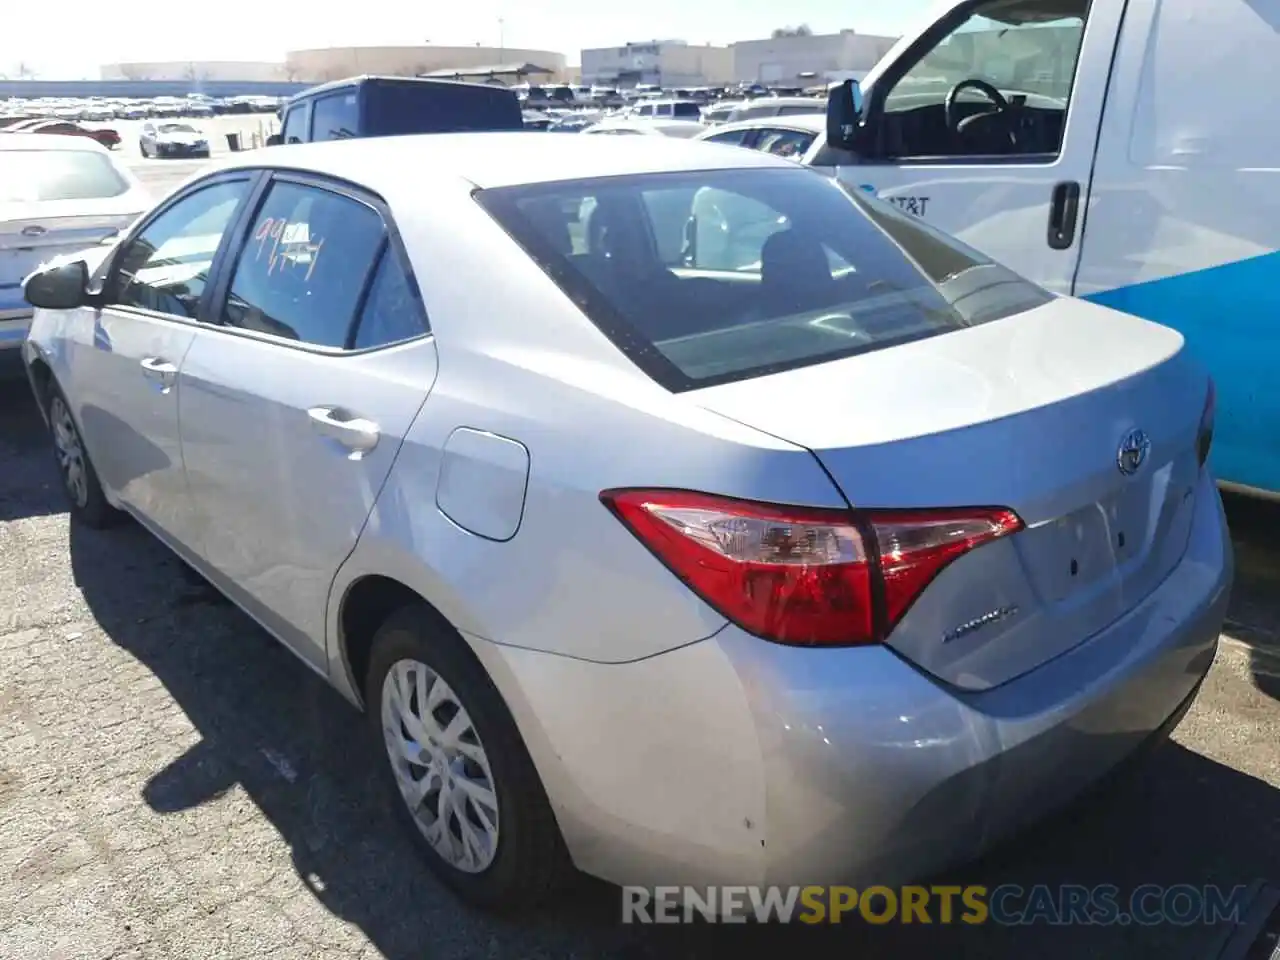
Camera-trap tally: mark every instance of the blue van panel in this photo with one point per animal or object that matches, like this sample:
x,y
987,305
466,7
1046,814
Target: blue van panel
x,y
1230,316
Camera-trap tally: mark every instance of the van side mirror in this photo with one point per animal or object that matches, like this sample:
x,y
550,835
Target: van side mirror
x,y
62,287
845,120
275,140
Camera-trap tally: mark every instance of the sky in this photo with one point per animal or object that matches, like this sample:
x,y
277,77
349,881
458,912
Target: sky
x,y
258,30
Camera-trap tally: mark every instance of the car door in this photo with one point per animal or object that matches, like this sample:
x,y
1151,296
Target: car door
x,y
296,399
127,354
1019,200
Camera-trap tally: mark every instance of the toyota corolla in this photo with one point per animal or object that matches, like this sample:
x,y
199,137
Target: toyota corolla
x,y
671,510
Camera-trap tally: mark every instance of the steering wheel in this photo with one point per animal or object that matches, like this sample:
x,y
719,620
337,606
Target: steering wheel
x,y
956,124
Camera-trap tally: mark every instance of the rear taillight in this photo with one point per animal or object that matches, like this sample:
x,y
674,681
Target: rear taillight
x,y
800,575
1204,440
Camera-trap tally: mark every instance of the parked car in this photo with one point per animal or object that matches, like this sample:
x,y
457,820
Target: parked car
x,y
783,136
831,560
625,126
57,195
165,138
106,136
776,107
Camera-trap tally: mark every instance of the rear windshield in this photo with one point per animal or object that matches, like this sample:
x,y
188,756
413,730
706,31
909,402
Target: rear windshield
x,y
34,175
395,109
716,276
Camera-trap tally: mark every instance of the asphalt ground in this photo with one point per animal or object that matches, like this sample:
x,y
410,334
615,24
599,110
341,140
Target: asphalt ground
x,y
173,784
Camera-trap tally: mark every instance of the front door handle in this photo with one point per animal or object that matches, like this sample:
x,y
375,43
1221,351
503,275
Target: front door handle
x,y
355,433
1064,208
160,370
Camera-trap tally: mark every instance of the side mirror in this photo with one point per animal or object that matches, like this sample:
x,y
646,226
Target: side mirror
x,y
275,140
63,287
845,120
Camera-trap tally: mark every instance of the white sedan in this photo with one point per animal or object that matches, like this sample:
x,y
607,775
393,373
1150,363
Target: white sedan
x,y
58,194
626,126
827,554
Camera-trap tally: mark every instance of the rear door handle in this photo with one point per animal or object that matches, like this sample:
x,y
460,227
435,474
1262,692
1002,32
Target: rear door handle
x,y
355,433
160,370
1063,212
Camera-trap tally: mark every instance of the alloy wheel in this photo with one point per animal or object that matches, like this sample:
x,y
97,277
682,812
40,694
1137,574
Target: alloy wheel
x,y
70,452
440,766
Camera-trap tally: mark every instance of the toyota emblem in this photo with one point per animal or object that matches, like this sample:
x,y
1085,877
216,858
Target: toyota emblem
x,y
1133,452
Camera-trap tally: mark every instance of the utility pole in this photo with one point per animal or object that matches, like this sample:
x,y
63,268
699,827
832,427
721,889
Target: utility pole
x,y
502,38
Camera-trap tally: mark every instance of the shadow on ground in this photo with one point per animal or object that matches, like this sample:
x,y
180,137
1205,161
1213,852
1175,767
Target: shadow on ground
x,y
1186,819
1254,617
29,484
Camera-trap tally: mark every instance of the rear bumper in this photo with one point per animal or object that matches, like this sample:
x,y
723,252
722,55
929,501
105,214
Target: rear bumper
x,y
733,760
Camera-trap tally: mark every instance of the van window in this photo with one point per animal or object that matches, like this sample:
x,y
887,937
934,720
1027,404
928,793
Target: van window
x,y
420,107
295,125
715,276
1024,55
686,111
335,117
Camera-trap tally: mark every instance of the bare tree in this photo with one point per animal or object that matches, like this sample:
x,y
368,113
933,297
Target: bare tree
x,y
804,30
26,71
189,72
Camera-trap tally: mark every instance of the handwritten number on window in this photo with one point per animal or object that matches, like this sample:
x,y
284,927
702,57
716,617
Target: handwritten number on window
x,y
290,244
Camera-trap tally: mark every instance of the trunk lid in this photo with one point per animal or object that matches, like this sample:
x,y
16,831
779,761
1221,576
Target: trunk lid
x,y
34,233
1027,413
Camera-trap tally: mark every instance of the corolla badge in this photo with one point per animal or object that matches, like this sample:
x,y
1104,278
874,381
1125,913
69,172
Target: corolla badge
x,y
977,623
1133,452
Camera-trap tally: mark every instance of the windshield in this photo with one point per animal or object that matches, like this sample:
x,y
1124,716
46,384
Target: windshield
x,y
715,276
38,175
177,128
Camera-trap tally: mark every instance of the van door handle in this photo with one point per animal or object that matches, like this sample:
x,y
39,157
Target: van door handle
x,y
160,370
1063,211
355,433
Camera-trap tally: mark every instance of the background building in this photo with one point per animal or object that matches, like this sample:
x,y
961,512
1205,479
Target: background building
x,y
799,60
335,63
666,63
195,70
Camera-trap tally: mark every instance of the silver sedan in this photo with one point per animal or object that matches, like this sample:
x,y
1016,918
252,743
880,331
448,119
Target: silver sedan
x,y
672,511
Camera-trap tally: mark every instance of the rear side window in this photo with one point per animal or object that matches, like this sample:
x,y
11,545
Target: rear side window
x,y
406,108
736,138
39,175
392,312
335,117
800,109
304,266
716,276
686,111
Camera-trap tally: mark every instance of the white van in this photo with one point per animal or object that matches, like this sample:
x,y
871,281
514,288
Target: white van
x,y
1124,151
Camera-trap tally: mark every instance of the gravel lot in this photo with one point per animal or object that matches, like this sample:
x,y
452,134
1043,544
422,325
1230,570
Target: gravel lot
x,y
174,785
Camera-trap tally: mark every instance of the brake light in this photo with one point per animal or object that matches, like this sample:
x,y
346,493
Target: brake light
x,y
800,575
1204,440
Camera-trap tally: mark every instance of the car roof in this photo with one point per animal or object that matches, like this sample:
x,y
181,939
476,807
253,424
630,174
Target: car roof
x,y
498,159
425,83
21,140
805,122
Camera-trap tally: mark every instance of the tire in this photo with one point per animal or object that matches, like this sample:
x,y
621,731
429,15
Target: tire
x,y
142,149
527,862
79,478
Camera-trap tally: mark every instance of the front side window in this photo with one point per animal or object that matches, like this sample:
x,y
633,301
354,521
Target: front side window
x,y
304,266
334,117
166,267
734,138
295,125
1009,73
785,143
716,276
